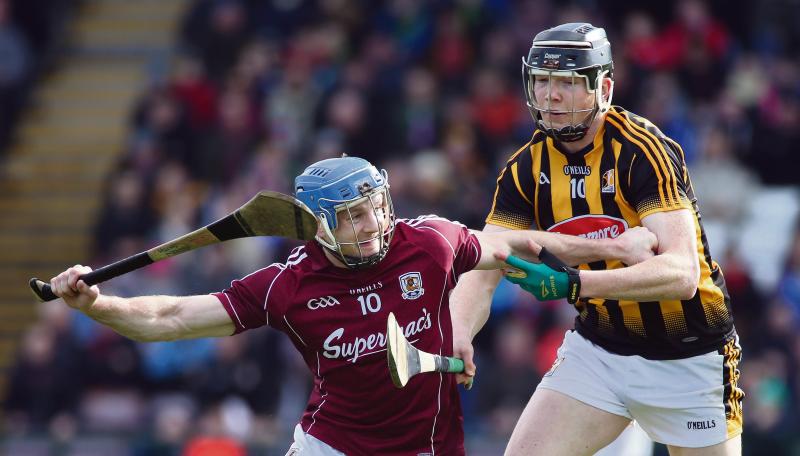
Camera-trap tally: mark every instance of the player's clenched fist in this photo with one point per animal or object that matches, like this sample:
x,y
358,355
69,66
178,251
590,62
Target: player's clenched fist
x,y
462,349
637,244
76,293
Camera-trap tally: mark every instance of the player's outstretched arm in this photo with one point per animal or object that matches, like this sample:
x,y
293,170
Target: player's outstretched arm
x,y
145,318
633,246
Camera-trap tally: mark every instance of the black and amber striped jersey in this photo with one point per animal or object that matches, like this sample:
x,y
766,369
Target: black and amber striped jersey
x,y
630,170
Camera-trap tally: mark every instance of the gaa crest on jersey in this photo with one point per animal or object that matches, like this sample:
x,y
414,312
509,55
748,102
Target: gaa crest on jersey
x,y
607,183
322,302
411,285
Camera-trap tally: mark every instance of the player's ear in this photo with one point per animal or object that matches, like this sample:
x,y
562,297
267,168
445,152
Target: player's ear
x,y
321,232
607,85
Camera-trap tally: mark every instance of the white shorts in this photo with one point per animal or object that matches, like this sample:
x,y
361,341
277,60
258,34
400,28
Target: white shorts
x,y
308,445
693,402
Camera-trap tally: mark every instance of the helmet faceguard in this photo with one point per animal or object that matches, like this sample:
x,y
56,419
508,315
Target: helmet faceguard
x,y
338,185
578,51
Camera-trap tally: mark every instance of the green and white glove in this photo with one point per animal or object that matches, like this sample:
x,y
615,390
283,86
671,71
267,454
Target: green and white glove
x,y
551,279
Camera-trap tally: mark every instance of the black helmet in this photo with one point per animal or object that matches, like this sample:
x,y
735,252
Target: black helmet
x,y
577,50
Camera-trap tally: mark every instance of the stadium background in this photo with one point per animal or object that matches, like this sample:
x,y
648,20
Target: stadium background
x,y
126,123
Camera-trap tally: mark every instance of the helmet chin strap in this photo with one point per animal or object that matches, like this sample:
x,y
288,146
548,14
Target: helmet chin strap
x,y
361,263
355,262
569,133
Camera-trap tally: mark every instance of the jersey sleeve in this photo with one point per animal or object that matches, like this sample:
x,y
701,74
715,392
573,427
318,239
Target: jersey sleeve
x,y
657,180
454,241
249,301
512,206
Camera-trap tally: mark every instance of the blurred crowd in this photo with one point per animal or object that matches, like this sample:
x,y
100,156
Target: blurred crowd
x,y
431,91
28,41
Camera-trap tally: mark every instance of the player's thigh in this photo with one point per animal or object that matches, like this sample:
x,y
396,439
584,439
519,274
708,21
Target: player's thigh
x,y
730,447
691,402
632,442
555,424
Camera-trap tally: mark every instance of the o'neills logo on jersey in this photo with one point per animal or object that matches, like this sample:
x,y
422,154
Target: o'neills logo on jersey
x,y
371,287
334,347
577,170
591,226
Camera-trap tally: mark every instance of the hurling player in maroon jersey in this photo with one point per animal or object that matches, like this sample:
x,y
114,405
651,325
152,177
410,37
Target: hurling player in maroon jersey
x,y
332,297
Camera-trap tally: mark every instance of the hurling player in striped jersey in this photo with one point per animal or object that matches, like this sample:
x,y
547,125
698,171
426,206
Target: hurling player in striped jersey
x,y
654,340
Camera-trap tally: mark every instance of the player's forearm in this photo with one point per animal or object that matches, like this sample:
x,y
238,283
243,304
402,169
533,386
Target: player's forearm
x,y
575,250
663,277
144,318
471,300
572,250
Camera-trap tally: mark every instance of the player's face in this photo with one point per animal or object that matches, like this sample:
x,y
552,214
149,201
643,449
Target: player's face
x,y
558,96
360,227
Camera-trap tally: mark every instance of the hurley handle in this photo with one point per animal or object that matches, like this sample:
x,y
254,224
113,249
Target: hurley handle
x,y
449,364
44,293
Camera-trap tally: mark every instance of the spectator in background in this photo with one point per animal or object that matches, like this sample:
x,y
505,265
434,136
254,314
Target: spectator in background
x,y
125,214
420,117
749,304
194,91
47,380
217,30
461,148
496,110
170,419
431,182
288,109
642,44
698,45
162,117
778,125
789,284
666,106
508,376
723,211
772,422
15,67
410,24
249,367
225,150
497,51
347,113
452,52
257,71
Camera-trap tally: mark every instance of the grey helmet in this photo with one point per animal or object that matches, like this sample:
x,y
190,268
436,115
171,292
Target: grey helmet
x,y
578,50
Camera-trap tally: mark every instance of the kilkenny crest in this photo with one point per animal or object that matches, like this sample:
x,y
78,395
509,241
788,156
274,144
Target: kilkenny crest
x,y
608,182
411,285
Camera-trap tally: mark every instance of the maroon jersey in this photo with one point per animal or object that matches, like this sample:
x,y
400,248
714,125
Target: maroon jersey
x,y
336,318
